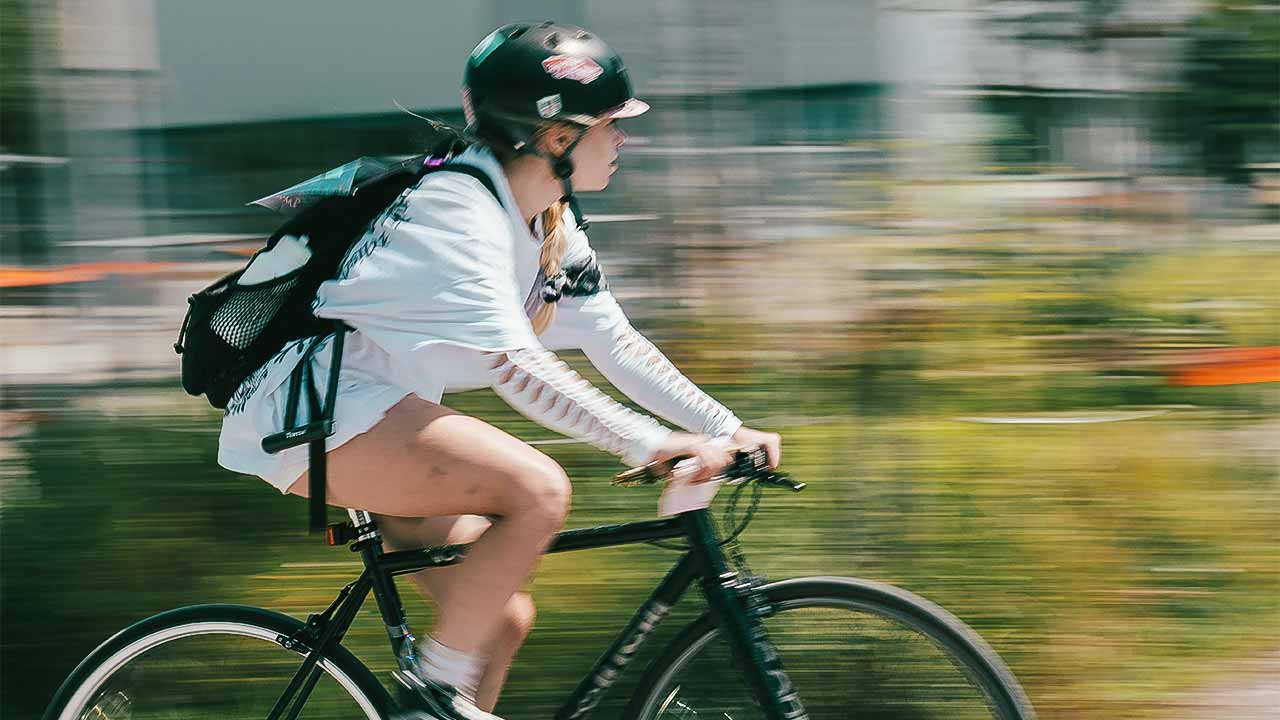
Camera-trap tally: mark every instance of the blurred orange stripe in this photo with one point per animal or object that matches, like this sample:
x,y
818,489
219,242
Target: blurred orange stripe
x,y
82,272
1232,366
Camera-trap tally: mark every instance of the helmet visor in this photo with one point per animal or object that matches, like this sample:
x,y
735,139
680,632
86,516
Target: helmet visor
x,y
629,109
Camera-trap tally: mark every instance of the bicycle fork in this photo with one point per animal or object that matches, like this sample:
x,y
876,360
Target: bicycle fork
x,y
732,600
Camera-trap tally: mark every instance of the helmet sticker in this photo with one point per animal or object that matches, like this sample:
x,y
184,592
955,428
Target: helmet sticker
x,y
550,106
468,111
582,69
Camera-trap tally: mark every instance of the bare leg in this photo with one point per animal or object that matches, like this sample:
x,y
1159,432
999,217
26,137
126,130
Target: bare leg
x,y
411,533
424,460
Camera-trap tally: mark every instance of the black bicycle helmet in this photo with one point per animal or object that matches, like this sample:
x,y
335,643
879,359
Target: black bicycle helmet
x,y
526,74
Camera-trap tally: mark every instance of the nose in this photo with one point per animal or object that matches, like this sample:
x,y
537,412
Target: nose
x,y
620,136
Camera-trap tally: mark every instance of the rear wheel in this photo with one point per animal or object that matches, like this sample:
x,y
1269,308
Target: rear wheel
x,y
211,661
851,649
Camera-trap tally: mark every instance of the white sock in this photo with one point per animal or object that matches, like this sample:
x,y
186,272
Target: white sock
x,y
445,665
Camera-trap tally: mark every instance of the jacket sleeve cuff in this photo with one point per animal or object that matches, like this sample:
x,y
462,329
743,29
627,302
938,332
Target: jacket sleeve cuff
x,y
646,446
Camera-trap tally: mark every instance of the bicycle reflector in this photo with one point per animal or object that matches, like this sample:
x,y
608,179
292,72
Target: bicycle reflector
x,y
339,534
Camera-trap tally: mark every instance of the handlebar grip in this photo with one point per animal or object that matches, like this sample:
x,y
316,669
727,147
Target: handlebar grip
x,y
746,462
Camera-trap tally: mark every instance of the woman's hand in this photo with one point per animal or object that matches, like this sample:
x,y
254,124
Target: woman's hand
x,y
771,442
712,456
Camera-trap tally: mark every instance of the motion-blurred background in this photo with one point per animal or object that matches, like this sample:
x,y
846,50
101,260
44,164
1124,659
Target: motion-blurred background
x,y
1003,273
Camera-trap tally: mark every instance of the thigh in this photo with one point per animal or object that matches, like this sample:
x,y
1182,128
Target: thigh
x,y
401,533
425,460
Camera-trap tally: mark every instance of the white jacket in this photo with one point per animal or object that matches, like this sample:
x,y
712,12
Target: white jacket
x,y
439,291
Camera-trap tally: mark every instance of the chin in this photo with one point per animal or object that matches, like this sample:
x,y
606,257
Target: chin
x,y
591,184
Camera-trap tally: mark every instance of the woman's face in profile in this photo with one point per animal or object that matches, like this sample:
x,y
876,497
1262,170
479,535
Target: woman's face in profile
x,y
596,156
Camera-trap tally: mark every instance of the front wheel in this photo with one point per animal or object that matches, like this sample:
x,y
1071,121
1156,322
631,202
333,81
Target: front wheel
x,y
211,661
851,649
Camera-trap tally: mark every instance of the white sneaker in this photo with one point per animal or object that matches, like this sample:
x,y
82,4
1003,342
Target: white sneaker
x,y
429,700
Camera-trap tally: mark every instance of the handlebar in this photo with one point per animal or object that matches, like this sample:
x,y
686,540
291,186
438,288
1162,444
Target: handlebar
x,y
749,465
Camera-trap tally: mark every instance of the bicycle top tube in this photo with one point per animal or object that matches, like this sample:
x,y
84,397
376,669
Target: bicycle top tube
x,y
749,466
408,561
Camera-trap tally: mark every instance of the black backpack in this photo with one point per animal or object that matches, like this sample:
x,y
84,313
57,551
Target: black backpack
x,y
254,322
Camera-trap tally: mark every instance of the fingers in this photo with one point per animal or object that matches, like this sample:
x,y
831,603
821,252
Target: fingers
x,y
774,450
772,447
711,460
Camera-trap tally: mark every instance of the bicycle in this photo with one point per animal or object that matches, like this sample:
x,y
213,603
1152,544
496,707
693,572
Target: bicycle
x,y
770,650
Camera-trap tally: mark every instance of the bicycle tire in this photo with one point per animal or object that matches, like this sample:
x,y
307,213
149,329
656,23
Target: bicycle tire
x,y
113,680
688,677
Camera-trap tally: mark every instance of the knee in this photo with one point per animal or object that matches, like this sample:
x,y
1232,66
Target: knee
x,y
546,494
520,613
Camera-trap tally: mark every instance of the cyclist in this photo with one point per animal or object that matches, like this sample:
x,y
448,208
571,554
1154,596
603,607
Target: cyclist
x,y
452,289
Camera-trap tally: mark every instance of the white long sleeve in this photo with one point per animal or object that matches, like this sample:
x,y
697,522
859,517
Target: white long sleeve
x,y
596,325
541,387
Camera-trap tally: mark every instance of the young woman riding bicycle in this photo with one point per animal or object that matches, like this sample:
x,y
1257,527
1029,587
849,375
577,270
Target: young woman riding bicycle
x,y
451,289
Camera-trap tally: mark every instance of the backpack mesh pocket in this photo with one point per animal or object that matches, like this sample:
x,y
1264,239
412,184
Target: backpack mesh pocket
x,y
247,310
232,329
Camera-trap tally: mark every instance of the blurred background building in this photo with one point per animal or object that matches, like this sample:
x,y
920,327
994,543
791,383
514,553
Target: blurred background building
x,y
133,117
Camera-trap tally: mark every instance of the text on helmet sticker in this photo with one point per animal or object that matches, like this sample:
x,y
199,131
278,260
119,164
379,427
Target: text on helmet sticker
x,y
582,69
549,106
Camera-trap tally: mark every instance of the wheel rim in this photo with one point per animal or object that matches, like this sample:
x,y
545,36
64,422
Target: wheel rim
x,y
183,668
839,661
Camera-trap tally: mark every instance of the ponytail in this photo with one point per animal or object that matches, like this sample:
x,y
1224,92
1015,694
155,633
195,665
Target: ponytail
x,y
554,237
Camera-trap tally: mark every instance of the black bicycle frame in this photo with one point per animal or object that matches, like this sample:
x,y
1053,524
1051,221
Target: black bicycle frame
x,y
732,601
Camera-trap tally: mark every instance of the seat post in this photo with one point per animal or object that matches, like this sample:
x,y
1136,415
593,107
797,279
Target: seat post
x,y
363,519
369,543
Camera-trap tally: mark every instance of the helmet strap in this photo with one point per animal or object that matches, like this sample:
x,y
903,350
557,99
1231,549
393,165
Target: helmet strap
x,y
562,167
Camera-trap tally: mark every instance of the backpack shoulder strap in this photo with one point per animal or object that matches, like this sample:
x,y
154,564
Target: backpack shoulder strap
x,y
474,172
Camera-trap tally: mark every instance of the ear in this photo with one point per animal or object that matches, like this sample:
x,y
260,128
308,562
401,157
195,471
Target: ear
x,y
556,140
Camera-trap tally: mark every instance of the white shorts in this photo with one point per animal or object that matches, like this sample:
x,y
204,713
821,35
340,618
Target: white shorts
x,y
365,394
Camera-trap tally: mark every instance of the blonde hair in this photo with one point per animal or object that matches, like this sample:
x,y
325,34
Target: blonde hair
x,y
554,237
